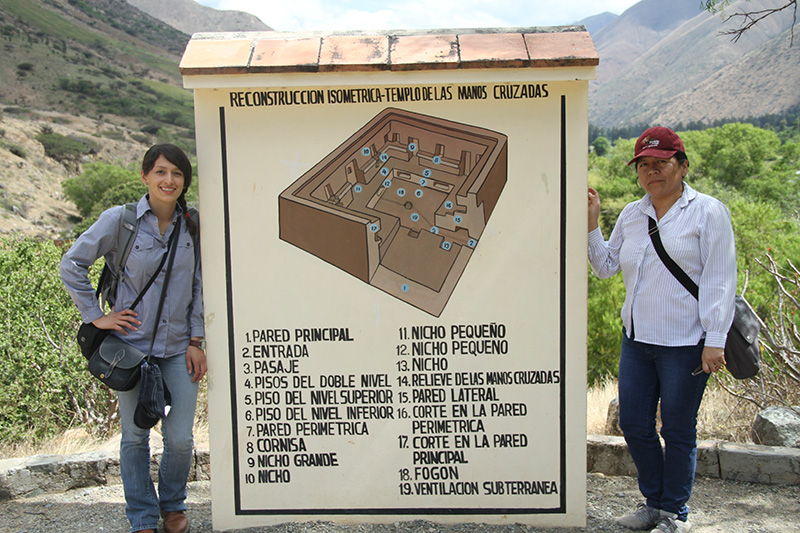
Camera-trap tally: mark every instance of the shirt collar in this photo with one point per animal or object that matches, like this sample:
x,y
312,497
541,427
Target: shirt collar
x,y
687,196
143,206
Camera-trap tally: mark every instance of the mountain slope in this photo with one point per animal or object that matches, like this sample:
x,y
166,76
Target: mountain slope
x,y
96,57
763,82
685,60
636,31
190,17
596,23
100,73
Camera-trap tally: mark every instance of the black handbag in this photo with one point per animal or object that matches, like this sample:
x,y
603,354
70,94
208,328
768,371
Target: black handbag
x,y
116,363
742,353
112,360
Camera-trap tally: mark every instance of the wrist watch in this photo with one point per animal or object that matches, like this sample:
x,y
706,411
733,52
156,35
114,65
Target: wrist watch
x,y
198,343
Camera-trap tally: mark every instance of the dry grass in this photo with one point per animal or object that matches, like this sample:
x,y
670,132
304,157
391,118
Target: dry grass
x,y
77,440
721,417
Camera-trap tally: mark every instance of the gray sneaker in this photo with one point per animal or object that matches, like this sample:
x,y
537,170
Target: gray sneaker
x,y
644,517
669,523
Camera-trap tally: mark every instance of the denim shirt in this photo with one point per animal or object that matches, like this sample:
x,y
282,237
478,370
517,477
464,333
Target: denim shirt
x,y
182,314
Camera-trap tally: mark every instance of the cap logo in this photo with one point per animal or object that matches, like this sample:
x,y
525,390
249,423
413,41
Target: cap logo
x,y
650,142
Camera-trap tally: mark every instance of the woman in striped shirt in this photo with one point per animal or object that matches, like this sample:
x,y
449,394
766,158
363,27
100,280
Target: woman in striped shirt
x,y
668,333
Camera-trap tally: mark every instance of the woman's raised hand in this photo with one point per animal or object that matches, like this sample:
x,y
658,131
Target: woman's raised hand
x,y
594,209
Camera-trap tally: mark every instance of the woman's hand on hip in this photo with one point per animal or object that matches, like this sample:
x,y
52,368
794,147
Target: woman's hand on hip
x,y
713,359
196,363
118,321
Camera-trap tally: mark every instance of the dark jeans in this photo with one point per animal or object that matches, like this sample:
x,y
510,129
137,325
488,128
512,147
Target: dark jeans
x,y
647,374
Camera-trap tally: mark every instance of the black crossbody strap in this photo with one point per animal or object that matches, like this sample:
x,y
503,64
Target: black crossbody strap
x,y
171,251
152,279
671,265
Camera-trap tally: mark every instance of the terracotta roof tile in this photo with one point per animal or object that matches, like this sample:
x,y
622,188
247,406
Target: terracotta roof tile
x,y
424,52
253,52
561,49
286,55
493,50
354,52
216,56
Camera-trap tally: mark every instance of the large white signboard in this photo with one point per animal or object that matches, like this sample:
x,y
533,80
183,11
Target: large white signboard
x,y
394,276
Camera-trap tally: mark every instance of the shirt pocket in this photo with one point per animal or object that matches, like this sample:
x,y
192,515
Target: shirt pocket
x,y
145,256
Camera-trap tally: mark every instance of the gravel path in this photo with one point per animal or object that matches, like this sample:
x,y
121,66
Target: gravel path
x,y
718,506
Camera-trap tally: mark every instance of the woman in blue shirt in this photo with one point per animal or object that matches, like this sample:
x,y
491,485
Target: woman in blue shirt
x,y
668,333
177,342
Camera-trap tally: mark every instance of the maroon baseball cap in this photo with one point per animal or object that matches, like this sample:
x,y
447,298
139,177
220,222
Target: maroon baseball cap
x,y
657,142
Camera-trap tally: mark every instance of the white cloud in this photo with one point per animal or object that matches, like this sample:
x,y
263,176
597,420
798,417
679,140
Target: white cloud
x,y
307,15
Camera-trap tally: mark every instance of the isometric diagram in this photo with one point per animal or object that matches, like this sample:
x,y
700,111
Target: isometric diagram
x,y
401,204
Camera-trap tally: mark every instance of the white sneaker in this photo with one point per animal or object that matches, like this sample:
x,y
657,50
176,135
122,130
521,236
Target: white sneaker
x,y
644,517
669,523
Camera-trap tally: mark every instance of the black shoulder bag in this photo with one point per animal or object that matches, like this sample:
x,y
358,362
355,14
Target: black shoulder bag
x,y
112,360
742,353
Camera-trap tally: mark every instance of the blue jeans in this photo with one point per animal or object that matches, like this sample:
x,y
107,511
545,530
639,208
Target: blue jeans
x,y
142,503
647,374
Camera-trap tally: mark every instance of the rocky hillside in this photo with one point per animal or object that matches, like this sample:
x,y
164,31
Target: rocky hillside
x,y
627,37
190,17
92,70
653,70
31,198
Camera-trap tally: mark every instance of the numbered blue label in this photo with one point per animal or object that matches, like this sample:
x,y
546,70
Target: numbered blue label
x,y
373,227
384,171
437,160
414,217
401,192
412,147
384,157
423,182
471,243
448,204
387,183
434,230
457,219
404,287
358,188
418,193
446,245
366,151
427,173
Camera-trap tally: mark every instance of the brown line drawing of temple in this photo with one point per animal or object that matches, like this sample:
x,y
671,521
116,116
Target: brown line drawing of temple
x,y
401,204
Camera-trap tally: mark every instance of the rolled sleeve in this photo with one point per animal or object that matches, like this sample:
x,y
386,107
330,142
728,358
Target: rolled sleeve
x,y
604,256
98,241
717,287
197,324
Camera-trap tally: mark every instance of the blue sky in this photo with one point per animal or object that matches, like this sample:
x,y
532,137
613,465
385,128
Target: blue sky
x,y
325,15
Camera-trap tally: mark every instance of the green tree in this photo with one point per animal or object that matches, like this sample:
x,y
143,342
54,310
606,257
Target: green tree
x,y
44,385
96,180
123,193
734,153
601,146
604,327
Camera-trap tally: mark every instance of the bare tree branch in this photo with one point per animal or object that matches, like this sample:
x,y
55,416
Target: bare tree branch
x,y
751,18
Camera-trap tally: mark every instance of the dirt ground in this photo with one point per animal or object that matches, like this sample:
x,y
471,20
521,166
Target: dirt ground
x,y
717,506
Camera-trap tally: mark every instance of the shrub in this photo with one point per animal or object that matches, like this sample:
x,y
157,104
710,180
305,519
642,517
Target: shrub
x,y
63,148
17,151
96,180
44,385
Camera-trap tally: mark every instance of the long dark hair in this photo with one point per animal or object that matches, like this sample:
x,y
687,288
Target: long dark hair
x,y
177,157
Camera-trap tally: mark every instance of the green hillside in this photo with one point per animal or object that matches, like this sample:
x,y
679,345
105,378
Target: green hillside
x,y
97,58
